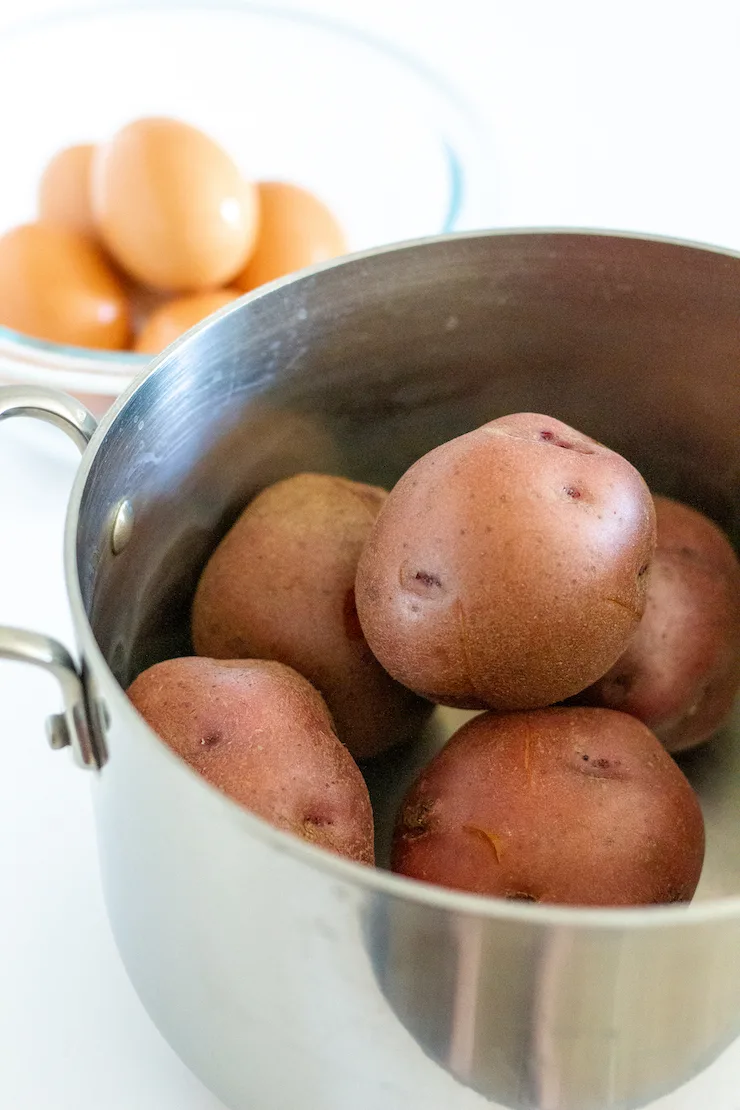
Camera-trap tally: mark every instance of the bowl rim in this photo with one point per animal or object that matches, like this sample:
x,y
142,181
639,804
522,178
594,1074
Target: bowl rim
x,y
98,361
373,880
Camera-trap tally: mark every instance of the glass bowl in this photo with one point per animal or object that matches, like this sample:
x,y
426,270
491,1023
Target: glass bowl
x,y
393,150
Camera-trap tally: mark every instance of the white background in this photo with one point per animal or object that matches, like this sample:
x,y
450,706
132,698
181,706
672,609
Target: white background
x,y
620,115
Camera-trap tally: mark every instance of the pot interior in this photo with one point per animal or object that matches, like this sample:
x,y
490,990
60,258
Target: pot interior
x,y
362,367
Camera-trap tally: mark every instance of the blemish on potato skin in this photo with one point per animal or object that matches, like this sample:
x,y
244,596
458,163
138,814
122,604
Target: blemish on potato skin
x,y
598,766
420,580
635,613
315,821
550,437
416,819
211,740
426,578
494,842
316,830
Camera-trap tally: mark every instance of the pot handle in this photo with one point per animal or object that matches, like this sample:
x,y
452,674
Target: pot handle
x,y
50,406
72,727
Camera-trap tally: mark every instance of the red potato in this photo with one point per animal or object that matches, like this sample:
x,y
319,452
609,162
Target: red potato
x,y
681,671
262,734
507,567
281,586
576,806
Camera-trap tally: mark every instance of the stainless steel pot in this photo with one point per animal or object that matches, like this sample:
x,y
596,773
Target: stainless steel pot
x,y
286,977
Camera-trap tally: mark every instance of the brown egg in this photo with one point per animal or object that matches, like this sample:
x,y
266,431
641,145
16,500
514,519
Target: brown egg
x,y
177,316
64,190
296,230
55,284
172,207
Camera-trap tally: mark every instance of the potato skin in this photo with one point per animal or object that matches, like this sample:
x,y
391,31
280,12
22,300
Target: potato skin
x,y
281,586
681,670
574,806
261,733
506,569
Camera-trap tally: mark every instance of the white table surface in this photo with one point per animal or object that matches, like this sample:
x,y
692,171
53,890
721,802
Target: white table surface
x,y
616,115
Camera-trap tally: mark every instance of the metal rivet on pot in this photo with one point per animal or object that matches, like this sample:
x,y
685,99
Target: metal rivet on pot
x,y
56,732
122,528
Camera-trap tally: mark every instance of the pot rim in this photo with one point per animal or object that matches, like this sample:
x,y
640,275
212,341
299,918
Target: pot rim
x,y
371,880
